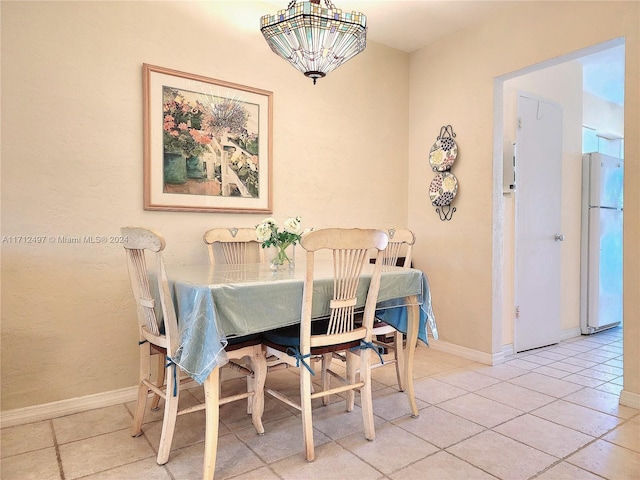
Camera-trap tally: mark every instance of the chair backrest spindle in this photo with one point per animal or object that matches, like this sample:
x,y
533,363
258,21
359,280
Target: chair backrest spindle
x,y
233,246
400,241
350,248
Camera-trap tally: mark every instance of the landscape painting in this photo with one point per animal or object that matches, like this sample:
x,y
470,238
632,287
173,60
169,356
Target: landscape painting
x,y
207,145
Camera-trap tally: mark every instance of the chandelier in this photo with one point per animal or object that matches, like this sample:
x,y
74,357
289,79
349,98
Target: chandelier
x,y
313,39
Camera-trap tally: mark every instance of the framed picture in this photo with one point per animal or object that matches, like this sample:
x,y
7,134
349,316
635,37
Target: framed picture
x,y
207,144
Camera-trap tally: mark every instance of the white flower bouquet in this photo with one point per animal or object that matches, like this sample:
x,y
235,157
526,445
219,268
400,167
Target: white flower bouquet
x,y
270,235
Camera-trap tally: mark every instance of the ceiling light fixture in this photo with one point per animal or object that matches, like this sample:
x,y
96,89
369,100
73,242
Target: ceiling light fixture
x,y
313,39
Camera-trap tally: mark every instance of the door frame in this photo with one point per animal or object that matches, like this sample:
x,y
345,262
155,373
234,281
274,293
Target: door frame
x,y
498,264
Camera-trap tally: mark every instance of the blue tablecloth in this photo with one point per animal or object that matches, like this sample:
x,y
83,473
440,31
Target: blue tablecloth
x,y
394,312
214,303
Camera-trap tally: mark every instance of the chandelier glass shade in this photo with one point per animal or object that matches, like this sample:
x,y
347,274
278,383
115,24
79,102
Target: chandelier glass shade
x,y
315,39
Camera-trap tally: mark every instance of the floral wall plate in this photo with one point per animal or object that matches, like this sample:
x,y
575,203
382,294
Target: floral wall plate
x,y
443,153
443,189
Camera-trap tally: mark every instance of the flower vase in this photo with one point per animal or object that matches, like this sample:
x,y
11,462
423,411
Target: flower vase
x,y
282,257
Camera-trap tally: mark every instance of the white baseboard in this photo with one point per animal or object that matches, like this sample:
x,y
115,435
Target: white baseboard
x,y
495,358
630,399
464,352
46,411
570,333
507,350
564,335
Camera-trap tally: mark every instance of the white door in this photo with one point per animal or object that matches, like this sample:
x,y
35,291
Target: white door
x,y
538,238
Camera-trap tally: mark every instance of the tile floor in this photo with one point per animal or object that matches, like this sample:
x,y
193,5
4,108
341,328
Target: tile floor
x,y
549,414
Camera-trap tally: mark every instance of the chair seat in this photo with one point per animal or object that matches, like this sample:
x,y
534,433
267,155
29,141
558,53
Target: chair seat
x,y
156,350
381,328
289,337
236,343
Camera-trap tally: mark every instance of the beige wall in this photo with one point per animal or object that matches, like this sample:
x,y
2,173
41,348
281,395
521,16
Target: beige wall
x,y
72,166
452,82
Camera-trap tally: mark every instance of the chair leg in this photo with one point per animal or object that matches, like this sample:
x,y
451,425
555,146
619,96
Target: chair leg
x,y
170,414
143,391
159,382
212,409
250,388
365,395
307,420
398,353
259,367
326,378
352,370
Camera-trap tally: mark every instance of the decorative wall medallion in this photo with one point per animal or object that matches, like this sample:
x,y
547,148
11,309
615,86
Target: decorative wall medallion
x,y
443,153
443,189
444,186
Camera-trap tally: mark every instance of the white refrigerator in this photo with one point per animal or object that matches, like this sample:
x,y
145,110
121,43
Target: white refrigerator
x,y
601,245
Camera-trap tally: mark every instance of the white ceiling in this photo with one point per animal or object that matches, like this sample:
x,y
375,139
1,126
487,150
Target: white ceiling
x,y
604,74
411,25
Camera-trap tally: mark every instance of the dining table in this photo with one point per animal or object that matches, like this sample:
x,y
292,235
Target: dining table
x,y
217,302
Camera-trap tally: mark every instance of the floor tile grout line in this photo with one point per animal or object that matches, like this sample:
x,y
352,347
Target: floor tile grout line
x,y
467,461
143,434
257,454
591,442
564,458
234,433
590,407
57,450
555,399
575,429
559,462
337,442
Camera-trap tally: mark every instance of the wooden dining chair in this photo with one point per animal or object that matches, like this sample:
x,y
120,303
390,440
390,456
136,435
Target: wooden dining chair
x,y
397,253
233,246
297,345
400,245
159,336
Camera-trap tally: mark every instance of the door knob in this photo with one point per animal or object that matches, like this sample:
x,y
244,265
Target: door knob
x,y
559,237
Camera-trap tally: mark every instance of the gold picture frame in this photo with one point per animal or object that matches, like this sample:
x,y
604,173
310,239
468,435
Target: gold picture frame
x,y
207,144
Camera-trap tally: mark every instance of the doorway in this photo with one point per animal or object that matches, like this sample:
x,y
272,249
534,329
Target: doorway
x,y
555,80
